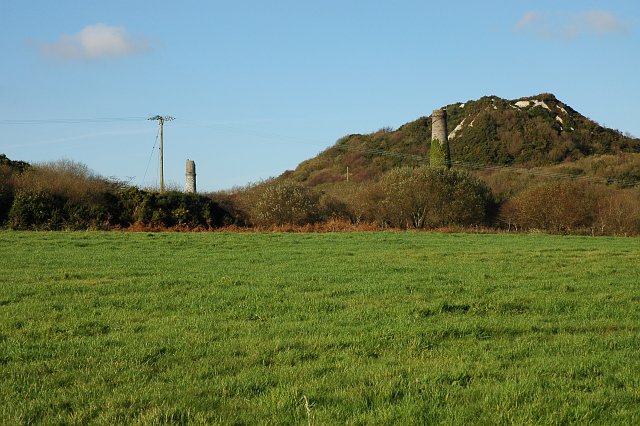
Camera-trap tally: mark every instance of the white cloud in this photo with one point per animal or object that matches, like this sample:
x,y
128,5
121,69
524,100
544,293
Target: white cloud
x,y
572,26
598,22
528,19
95,42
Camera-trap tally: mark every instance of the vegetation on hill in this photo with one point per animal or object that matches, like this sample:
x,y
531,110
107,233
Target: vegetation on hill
x,y
531,132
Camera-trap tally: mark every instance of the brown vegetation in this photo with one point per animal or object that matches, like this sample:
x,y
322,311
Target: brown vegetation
x,y
574,207
65,178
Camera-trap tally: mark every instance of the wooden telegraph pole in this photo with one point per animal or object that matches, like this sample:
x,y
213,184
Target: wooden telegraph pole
x,y
161,120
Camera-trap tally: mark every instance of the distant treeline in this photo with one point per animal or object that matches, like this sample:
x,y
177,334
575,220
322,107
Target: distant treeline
x,y
65,195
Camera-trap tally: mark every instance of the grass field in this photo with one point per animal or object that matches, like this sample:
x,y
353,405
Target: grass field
x,y
357,328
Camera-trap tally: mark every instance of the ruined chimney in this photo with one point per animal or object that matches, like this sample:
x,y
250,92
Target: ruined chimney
x,y
191,177
440,155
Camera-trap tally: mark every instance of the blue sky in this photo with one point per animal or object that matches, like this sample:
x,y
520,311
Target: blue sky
x,y
257,87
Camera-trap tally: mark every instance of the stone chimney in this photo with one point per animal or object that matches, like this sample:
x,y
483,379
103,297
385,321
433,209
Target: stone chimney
x,y
191,177
440,155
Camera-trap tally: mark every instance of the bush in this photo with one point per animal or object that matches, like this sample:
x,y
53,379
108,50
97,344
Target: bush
x,y
36,211
280,202
7,191
428,197
169,209
44,210
559,207
9,172
62,195
619,213
17,166
332,208
64,178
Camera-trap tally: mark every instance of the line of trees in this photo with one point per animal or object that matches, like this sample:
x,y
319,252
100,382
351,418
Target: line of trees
x,y
66,195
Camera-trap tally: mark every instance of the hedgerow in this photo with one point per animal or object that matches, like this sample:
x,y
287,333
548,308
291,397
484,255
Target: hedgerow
x,y
65,195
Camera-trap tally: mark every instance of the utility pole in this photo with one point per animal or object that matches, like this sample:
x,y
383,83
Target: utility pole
x,y
161,120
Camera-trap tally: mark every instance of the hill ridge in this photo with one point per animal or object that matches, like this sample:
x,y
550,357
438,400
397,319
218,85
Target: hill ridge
x,y
531,131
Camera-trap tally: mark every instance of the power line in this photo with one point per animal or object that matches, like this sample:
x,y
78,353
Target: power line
x,y
489,167
243,130
70,120
380,152
151,156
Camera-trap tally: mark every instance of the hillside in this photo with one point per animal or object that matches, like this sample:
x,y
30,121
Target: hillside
x,y
534,131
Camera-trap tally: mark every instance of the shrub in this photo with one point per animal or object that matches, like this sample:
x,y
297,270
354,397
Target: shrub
x,y
355,202
505,184
619,213
332,208
230,202
101,211
428,197
17,166
280,202
558,206
65,178
39,210
44,210
170,209
62,195
6,191
9,172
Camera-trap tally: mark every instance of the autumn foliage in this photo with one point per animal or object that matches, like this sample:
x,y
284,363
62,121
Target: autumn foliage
x,y
574,207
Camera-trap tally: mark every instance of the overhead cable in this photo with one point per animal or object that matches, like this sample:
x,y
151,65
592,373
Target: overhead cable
x,y
71,120
493,167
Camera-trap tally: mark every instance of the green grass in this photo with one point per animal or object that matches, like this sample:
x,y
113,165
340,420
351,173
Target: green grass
x,y
368,328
